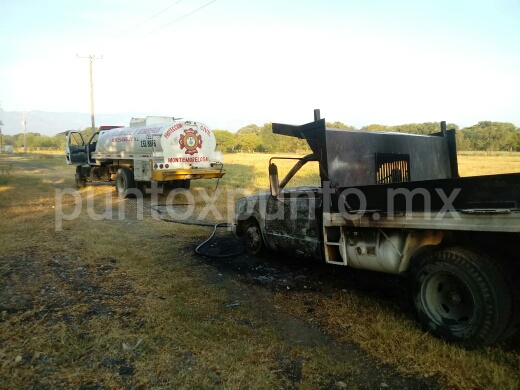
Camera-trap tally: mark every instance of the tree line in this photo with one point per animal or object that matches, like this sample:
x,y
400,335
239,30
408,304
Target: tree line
x,y
484,136
35,141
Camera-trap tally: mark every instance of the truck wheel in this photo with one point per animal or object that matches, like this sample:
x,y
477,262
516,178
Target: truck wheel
x,y
186,184
253,239
81,181
124,181
461,296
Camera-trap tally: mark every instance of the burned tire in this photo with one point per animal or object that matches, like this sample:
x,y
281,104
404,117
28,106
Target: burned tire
x,y
253,240
461,296
124,182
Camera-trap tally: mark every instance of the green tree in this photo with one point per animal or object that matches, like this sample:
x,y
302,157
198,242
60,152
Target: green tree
x,y
338,125
30,140
375,127
516,140
248,129
248,142
411,128
487,135
87,133
8,139
226,141
450,126
46,142
462,142
61,141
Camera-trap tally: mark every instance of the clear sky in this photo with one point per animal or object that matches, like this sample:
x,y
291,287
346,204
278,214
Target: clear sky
x,y
235,62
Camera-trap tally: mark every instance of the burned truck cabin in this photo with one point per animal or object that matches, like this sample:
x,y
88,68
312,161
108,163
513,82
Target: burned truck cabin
x,y
347,158
382,173
394,203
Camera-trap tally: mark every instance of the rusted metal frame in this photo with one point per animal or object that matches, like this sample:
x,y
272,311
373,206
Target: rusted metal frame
x,y
301,162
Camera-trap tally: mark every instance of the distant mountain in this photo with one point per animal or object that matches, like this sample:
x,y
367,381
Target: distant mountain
x,y
51,123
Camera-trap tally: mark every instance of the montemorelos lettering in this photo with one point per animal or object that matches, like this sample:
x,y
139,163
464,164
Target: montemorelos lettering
x,y
187,159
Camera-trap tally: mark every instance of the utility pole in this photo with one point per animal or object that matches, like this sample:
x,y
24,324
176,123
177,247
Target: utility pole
x,y
91,58
24,134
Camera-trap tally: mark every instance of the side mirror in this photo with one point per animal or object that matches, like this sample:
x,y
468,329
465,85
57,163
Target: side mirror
x,y
273,180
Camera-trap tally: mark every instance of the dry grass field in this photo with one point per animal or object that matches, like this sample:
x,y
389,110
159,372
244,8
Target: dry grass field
x,y
75,302
474,164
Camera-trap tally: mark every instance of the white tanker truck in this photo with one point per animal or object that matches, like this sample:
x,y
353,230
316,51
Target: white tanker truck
x,y
160,149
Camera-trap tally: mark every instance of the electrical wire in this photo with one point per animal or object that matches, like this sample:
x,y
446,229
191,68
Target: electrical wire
x,y
183,16
151,17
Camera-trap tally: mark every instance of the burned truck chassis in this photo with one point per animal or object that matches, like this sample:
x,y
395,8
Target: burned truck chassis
x,y
457,248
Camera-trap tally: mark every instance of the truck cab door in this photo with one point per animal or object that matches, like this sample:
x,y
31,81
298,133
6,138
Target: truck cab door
x,y
90,147
76,150
293,222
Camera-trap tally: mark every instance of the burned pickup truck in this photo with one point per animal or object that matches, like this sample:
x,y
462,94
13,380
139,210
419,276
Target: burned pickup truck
x,y
395,203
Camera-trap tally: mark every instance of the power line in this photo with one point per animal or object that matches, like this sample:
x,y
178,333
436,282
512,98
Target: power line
x,y
182,17
151,17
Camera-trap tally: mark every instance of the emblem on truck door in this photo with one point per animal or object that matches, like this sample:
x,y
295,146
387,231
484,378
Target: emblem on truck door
x,y
191,141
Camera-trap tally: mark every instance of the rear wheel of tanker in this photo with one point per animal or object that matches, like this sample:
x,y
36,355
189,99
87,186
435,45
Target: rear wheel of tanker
x,y
253,240
460,296
186,184
124,182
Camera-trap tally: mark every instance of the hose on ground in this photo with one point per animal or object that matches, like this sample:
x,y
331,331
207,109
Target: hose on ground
x,y
215,226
